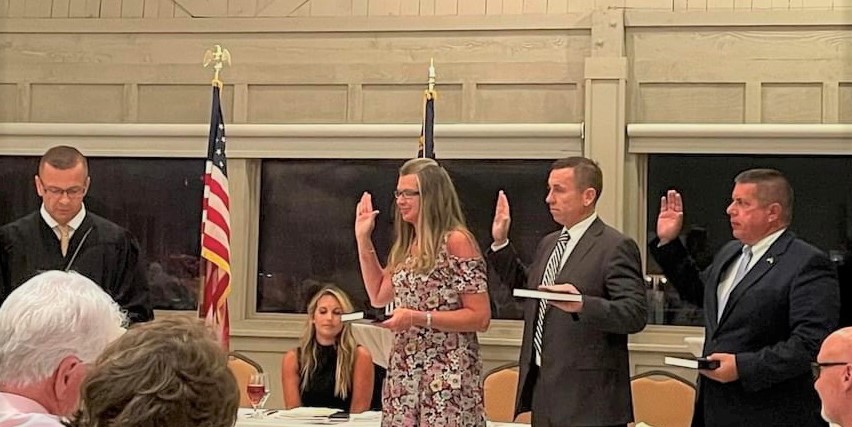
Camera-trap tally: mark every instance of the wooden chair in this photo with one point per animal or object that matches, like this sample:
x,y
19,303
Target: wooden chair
x,y
243,368
499,390
662,399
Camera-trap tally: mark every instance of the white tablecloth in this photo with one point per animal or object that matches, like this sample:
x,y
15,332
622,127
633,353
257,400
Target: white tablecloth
x,y
367,419
378,340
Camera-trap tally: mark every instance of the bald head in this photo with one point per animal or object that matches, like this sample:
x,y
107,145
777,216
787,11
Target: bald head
x,y
839,343
834,377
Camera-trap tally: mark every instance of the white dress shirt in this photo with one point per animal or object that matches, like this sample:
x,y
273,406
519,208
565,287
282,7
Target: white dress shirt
x,y
758,250
20,411
73,225
576,232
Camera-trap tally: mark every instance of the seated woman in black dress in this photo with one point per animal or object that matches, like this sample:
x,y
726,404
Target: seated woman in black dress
x,y
329,369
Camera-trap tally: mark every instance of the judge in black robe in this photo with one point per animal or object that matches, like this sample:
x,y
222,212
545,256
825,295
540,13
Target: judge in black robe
x,y
109,256
62,235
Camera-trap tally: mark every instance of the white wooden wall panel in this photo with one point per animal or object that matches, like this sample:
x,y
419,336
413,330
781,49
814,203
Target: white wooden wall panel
x,y
383,8
180,103
325,8
845,110
729,75
8,102
409,7
132,8
59,9
297,103
17,8
56,103
472,7
791,103
38,8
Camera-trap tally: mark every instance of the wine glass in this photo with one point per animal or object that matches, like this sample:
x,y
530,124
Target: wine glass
x,y
258,392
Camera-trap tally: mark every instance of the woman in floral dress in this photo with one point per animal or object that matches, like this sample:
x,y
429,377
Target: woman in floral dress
x,y
436,278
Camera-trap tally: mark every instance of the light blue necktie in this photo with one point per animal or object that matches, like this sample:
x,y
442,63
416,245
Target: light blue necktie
x,y
745,259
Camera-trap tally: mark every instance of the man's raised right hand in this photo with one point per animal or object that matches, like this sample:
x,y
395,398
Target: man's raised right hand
x,y
502,220
670,220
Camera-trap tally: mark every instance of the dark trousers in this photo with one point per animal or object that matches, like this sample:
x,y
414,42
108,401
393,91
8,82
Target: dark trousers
x,y
540,415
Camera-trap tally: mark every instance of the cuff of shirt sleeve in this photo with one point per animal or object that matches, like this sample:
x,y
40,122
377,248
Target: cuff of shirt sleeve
x,y
496,247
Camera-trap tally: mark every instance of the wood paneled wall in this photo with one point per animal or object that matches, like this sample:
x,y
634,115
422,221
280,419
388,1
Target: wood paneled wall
x,y
155,76
249,8
742,75
339,72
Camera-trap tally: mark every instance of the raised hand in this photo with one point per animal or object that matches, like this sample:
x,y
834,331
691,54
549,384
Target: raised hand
x,y
365,217
502,220
670,220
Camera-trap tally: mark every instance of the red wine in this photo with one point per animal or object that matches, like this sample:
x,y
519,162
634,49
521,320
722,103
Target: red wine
x,y
255,393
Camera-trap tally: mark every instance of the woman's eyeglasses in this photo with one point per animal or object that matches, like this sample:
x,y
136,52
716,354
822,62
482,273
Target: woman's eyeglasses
x,y
816,367
405,194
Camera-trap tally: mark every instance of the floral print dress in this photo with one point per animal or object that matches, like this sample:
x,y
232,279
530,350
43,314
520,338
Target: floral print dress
x,y
435,378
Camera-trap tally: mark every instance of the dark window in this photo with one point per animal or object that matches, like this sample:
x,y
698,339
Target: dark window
x,y
308,210
822,212
158,200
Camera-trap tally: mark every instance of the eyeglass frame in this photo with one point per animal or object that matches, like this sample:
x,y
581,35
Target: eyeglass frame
x,y
405,194
74,192
816,367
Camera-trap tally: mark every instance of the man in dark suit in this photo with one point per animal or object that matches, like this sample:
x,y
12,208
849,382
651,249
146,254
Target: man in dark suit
x,y
769,300
574,368
63,235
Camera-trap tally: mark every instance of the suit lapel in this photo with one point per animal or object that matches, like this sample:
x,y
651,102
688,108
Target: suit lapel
x,y
541,265
584,245
712,300
763,265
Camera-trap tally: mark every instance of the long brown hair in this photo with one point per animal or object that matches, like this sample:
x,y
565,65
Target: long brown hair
x,y
169,372
440,213
345,344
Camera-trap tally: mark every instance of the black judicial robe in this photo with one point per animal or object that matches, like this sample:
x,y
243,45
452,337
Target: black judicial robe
x,y
109,256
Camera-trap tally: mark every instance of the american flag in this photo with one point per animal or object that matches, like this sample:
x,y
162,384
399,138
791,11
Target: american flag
x,y
426,147
216,229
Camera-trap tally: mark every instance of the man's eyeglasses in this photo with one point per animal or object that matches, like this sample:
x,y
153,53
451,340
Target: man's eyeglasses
x,y
73,192
405,194
816,367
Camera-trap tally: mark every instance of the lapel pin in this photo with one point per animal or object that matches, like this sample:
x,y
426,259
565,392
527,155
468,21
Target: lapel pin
x,y
770,260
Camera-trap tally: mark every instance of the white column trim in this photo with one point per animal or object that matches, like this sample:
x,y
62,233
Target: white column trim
x,y
258,141
732,139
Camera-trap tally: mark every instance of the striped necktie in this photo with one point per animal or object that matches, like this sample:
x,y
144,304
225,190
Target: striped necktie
x,y
548,279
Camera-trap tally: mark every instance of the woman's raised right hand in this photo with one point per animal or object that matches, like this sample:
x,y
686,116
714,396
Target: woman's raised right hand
x,y
365,217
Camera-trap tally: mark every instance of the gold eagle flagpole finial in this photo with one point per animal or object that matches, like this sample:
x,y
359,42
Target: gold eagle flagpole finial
x,y
218,56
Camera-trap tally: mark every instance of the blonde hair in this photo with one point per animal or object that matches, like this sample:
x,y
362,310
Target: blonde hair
x,y
440,213
345,344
